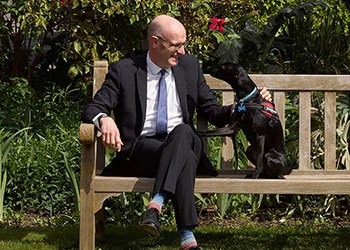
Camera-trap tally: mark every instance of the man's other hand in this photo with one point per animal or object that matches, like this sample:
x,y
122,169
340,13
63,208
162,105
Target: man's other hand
x,y
110,134
265,94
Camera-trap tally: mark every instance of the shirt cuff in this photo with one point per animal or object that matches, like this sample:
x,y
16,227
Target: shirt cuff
x,y
96,120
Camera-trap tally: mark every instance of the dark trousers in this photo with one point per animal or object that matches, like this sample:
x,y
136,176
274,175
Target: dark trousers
x,y
173,161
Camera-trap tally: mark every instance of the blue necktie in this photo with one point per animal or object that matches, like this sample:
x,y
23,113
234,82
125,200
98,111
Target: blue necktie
x,y
162,115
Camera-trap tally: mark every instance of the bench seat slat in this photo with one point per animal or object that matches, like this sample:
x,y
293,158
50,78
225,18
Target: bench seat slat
x,y
296,172
231,185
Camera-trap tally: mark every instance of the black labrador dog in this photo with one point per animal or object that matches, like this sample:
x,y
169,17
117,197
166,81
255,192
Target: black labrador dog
x,y
258,120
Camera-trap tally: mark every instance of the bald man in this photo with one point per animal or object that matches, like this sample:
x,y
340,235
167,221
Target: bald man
x,y
154,97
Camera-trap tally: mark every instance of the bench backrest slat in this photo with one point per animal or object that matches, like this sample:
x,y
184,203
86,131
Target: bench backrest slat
x,y
292,82
304,130
330,131
279,98
99,74
227,149
100,71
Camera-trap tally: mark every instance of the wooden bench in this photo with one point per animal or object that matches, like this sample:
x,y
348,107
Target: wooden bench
x,y
95,189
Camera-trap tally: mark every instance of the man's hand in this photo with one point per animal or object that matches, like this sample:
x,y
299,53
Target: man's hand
x,y
265,94
110,134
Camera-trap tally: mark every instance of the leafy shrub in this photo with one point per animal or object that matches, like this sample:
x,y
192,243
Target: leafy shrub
x,y
37,173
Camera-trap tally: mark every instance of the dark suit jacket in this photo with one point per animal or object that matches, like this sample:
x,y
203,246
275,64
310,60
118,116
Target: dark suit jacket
x,y
125,90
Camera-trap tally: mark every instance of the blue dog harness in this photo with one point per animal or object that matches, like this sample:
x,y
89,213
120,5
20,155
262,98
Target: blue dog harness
x,y
267,108
241,107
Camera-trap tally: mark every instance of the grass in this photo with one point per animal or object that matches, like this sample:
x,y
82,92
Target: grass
x,y
209,237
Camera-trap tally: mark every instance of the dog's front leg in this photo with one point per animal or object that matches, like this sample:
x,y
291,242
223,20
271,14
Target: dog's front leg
x,y
259,168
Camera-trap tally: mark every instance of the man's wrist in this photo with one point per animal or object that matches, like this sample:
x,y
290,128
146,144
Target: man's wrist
x,y
100,117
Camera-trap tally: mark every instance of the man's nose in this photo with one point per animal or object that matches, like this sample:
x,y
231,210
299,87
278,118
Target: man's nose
x,y
181,50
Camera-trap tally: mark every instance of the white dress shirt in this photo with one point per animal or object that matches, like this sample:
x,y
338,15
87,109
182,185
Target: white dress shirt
x,y
173,103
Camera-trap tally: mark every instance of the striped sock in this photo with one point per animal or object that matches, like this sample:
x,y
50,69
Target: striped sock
x,y
157,202
187,239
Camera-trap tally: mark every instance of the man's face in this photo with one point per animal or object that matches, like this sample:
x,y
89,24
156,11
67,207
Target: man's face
x,y
167,51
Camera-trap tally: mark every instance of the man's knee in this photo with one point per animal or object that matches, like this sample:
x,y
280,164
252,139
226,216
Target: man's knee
x,y
183,129
187,131
184,133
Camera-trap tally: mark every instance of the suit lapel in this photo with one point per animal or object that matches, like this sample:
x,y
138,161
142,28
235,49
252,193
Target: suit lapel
x,y
181,90
141,81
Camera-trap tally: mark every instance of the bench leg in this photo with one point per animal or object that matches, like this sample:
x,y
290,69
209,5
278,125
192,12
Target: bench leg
x,y
87,221
100,223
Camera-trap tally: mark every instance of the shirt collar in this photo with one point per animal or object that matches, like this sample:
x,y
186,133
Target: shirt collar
x,y
154,68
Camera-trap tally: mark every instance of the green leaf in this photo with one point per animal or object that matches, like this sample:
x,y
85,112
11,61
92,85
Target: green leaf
x,y
5,147
77,46
73,71
145,200
84,3
219,36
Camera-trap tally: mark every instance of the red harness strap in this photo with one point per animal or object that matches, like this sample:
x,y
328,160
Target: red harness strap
x,y
268,109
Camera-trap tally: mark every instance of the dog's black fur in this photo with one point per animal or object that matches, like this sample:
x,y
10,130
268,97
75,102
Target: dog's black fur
x,y
265,134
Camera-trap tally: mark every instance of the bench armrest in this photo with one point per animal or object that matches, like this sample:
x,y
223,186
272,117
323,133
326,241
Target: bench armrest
x,y
87,133
93,151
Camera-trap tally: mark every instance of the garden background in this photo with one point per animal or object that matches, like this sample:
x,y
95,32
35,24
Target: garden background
x,y
47,49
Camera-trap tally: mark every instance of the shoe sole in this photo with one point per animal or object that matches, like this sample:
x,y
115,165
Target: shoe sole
x,y
150,229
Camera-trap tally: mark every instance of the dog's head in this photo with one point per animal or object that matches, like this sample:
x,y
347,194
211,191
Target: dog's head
x,y
233,74
228,72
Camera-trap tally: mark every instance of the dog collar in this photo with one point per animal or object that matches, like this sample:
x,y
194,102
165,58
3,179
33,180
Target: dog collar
x,y
247,98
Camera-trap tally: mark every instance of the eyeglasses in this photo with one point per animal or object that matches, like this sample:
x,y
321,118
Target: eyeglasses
x,y
172,45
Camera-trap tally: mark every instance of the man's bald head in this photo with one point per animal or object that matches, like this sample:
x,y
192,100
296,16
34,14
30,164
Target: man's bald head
x,y
166,40
163,24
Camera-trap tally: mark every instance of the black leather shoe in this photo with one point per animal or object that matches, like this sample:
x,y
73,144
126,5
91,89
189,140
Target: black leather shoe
x,y
194,248
150,222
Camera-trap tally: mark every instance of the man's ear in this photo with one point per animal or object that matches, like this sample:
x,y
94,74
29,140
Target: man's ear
x,y
154,42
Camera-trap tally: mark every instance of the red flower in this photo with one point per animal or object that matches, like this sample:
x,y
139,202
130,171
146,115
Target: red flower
x,y
63,2
217,24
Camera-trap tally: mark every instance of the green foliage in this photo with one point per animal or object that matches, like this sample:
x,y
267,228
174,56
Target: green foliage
x,y
38,177
27,29
44,165
309,38
72,177
5,146
52,38
343,142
